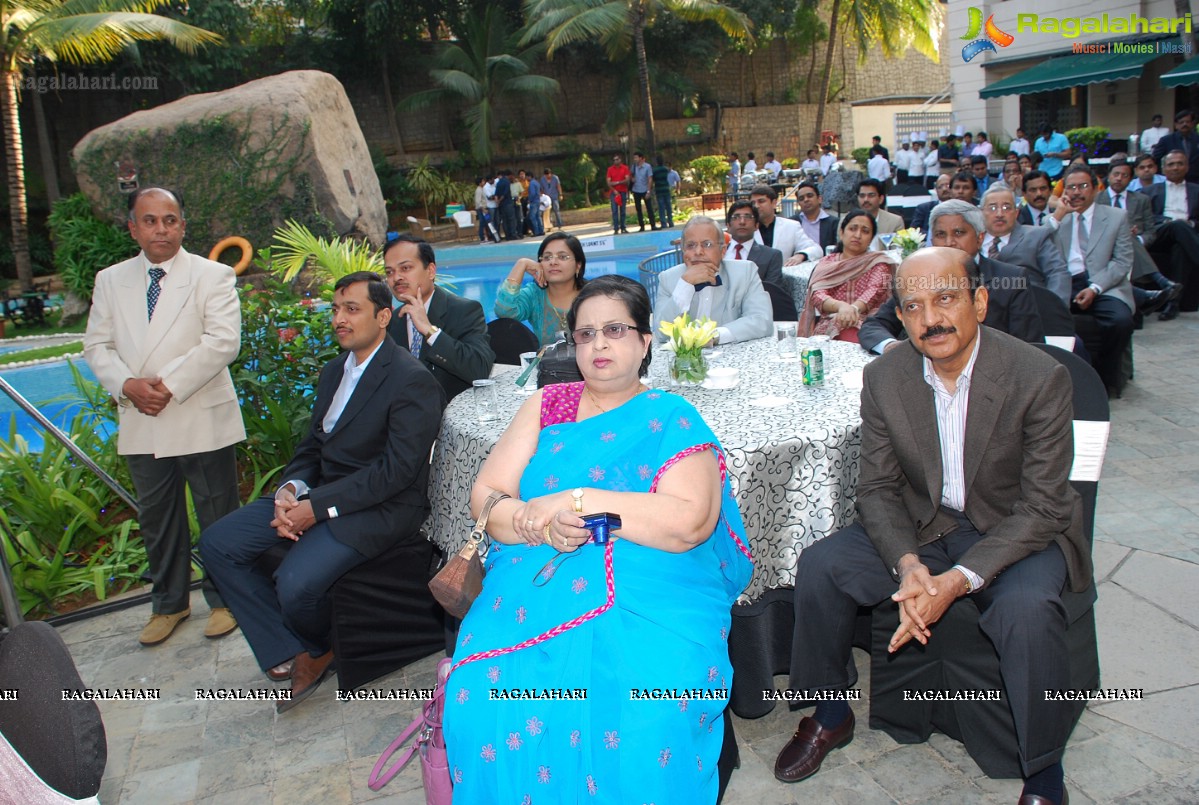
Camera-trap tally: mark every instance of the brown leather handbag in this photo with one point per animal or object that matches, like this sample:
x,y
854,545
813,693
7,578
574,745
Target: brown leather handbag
x,y
458,584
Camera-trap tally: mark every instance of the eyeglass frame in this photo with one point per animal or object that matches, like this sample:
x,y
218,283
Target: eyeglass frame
x,y
620,330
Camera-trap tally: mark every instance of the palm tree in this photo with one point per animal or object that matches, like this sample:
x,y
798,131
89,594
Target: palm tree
x,y
76,32
617,24
891,26
481,70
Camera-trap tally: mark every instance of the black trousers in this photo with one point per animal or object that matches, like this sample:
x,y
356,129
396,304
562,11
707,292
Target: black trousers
x,y
1182,242
1115,331
1021,612
638,200
162,513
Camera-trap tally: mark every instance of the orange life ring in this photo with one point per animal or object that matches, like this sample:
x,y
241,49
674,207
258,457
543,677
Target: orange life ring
x,y
247,252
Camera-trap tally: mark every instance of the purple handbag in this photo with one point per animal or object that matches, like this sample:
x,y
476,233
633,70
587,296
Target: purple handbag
x,y
429,743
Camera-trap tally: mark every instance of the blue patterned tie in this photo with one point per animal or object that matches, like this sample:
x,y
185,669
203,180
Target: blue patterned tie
x,y
418,341
152,293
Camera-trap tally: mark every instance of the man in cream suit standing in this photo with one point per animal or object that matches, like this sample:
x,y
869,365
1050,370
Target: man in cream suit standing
x,y
783,234
163,329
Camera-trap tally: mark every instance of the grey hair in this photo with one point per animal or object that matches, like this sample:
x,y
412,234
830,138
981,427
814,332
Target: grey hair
x,y
997,187
701,219
971,214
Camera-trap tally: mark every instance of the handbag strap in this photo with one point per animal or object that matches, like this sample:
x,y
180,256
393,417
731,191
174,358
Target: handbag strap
x,y
476,534
380,777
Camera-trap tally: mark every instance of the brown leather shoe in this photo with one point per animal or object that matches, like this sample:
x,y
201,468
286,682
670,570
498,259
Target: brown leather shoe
x,y
281,672
161,627
1037,799
220,623
306,676
806,750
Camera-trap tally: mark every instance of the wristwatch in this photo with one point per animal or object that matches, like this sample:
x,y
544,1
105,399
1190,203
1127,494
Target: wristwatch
x,y
433,330
577,494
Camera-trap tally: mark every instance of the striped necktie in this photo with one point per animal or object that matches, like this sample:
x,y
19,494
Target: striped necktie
x,y
154,291
1117,203
993,252
418,341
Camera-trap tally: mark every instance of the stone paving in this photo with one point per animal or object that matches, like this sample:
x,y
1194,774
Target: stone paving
x,y
1146,563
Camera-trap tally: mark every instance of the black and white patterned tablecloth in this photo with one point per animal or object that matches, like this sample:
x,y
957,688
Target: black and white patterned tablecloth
x,y
793,450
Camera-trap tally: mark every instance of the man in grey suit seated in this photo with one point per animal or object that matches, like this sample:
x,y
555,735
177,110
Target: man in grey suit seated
x,y
1030,247
967,444
727,291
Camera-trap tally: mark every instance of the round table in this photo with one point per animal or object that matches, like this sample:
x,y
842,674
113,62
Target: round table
x,y
793,450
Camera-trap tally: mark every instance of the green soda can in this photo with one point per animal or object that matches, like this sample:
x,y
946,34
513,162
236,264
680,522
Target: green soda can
x,y
813,367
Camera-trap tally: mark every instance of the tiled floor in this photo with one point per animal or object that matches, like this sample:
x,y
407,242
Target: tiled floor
x,y
1147,564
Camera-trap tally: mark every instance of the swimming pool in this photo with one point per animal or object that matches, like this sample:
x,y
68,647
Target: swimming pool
x,y
477,272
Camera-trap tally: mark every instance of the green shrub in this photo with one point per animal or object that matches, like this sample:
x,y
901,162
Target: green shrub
x,y
861,156
790,163
1088,141
84,245
709,173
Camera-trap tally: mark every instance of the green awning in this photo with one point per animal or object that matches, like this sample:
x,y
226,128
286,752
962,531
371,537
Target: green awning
x,y
1074,70
1183,75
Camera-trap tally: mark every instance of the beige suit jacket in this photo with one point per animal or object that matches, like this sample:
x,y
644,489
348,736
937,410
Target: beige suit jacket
x,y
195,335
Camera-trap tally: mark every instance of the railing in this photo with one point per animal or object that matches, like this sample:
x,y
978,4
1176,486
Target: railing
x,y
651,267
8,592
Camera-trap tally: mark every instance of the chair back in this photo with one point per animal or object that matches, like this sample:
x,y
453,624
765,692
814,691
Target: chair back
x,y
781,302
465,219
509,338
651,267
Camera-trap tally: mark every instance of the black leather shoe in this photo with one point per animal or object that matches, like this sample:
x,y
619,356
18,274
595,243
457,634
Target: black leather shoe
x,y
1154,300
811,743
1174,289
1170,312
1037,799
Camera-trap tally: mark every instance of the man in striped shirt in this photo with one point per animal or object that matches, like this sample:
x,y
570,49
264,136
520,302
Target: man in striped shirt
x,y
964,491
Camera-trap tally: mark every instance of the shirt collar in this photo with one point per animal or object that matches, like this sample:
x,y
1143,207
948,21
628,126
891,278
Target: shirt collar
x,y
164,265
963,382
355,369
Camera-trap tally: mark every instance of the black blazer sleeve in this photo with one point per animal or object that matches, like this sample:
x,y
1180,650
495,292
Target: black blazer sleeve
x,y
1012,308
463,349
882,325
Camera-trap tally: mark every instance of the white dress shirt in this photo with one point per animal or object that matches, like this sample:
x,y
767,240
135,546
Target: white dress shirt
x,y
395,308
731,252
879,168
1077,261
775,167
1018,146
1176,201
1151,136
916,168
827,161
812,164
751,166
951,432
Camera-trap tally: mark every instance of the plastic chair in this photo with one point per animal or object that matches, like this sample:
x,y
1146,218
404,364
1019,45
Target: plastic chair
x,y
651,267
465,219
509,338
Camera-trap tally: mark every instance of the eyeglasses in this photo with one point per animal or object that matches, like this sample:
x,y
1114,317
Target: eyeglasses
x,y
998,207
695,245
585,335
562,257
1074,187
741,216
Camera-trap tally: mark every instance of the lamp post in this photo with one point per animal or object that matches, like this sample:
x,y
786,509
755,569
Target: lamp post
x,y
624,148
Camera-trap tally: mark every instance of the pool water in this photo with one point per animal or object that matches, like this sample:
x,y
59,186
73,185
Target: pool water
x,y
477,272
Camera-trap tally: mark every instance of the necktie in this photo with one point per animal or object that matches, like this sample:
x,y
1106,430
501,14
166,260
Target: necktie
x,y
1040,219
1118,205
418,341
993,252
153,292
1084,237
738,252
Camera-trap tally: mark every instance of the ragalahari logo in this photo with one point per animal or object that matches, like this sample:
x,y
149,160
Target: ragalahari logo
x,y
992,35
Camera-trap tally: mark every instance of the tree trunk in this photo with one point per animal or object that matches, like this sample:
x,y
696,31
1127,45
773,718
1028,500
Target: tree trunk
x,y
14,157
49,166
822,100
643,77
392,122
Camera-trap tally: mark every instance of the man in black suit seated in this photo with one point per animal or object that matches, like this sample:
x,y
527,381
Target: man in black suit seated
x,y
1143,229
1029,247
446,332
958,224
1183,139
355,488
921,213
818,224
1038,193
1175,206
742,224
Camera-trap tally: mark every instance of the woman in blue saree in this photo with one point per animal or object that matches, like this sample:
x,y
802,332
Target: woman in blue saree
x,y
590,672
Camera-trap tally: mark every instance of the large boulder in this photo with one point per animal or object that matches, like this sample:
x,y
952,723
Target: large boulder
x,y
245,160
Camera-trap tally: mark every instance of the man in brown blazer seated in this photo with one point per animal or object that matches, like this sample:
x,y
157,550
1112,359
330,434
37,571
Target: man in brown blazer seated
x,y
967,445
